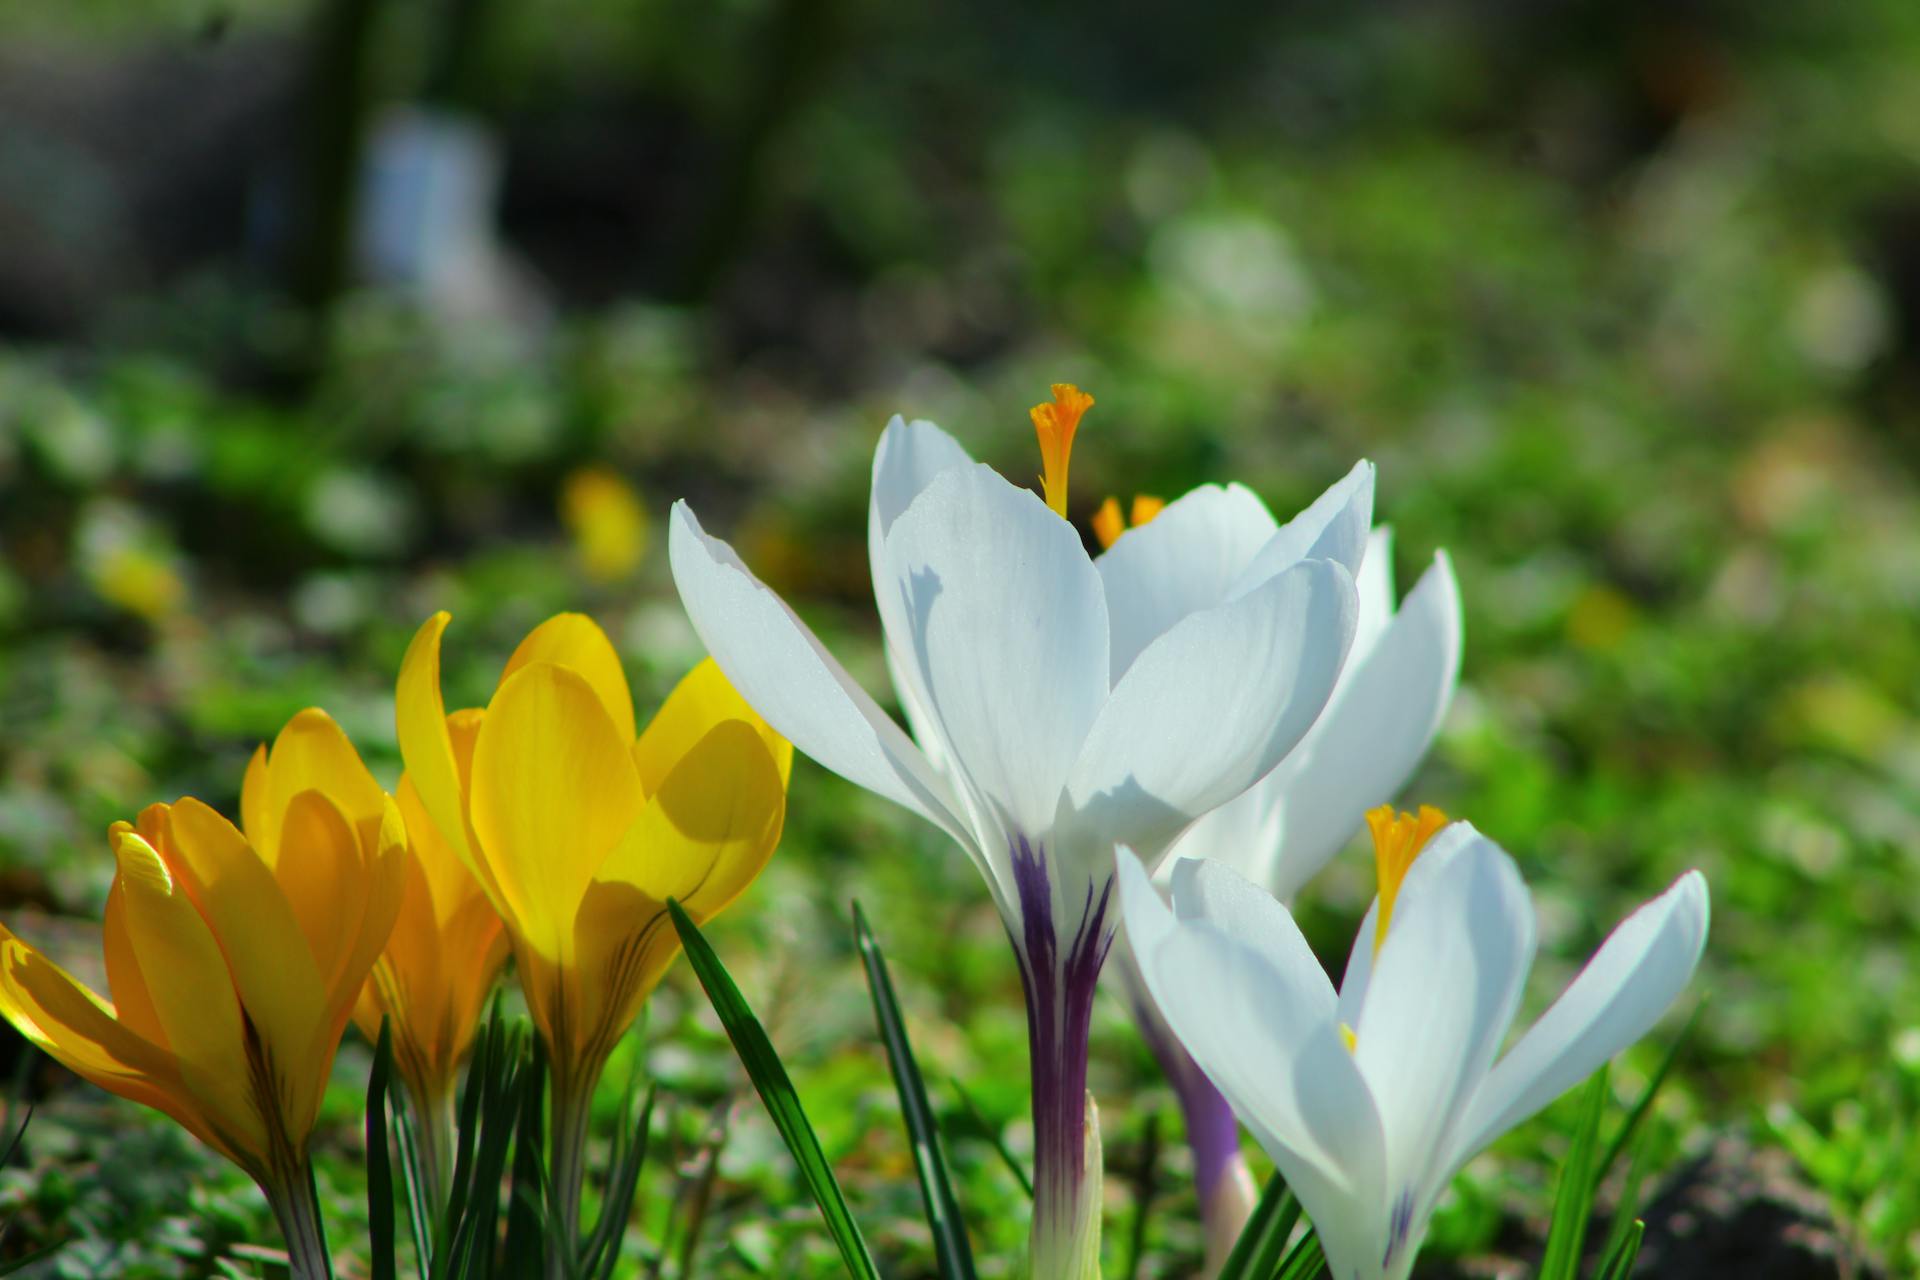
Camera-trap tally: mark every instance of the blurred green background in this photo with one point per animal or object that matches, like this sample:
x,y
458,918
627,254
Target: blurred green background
x,y
316,318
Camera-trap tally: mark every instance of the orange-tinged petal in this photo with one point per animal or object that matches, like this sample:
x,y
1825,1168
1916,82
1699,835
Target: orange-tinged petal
x,y
382,881
192,991
703,698
312,753
132,1002
322,873
445,882
73,1026
553,791
266,950
575,641
420,716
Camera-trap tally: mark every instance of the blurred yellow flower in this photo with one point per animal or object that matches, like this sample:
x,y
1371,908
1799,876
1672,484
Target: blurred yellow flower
x,y
233,967
140,580
581,828
607,521
447,945
1109,524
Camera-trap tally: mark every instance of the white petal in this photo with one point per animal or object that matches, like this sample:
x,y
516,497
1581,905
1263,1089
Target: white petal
x,y
1374,733
1243,833
1359,972
1210,707
1374,583
1444,990
1335,527
1641,968
785,673
909,456
1253,1010
1181,561
1008,631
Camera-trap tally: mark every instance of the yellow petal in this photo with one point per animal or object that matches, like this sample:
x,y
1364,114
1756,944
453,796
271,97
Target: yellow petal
x,y
553,791
382,881
265,947
132,1002
702,839
703,699
192,991
254,806
575,641
75,1028
312,753
323,875
426,745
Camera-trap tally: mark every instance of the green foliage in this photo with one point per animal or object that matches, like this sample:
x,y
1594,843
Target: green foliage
x,y
1623,310
944,1219
776,1090
1261,1249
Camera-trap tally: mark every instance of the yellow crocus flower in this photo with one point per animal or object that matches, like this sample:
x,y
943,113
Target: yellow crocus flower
x,y
233,967
580,828
447,946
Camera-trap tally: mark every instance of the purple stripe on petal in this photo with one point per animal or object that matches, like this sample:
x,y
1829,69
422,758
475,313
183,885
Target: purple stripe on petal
x,y
1213,1132
1060,986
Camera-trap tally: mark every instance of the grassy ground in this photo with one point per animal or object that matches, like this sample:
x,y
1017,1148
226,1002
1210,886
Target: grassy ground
x,y
1655,396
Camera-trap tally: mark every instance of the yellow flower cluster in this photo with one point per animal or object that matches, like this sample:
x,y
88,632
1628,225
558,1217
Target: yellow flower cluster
x,y
546,825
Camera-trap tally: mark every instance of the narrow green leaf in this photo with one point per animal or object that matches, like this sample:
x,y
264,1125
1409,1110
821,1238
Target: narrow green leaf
x,y
382,1240
1262,1245
1620,1259
603,1250
1644,1103
529,1213
1304,1260
983,1128
422,1215
1638,1167
1579,1178
944,1220
776,1092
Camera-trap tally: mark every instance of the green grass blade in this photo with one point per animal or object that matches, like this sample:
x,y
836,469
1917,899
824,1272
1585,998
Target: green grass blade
x,y
603,1249
529,1214
496,1089
383,1242
944,1220
1579,1178
985,1130
776,1092
1620,1259
1304,1261
1644,1103
1623,1213
1262,1245
421,1214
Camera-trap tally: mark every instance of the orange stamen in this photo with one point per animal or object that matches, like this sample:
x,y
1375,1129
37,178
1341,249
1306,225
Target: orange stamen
x,y
1398,839
1055,422
1109,524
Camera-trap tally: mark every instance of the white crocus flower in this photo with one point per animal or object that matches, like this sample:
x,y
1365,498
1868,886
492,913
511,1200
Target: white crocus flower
x,y
1392,694
1371,1098
1057,710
